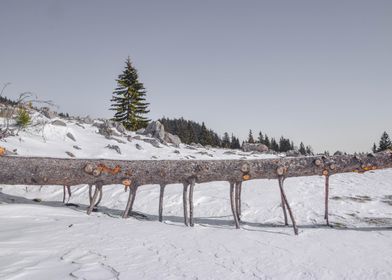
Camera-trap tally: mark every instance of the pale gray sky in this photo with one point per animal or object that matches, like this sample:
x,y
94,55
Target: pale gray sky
x,y
314,71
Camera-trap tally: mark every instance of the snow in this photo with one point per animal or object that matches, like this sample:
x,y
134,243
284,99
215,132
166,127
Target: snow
x,y
47,240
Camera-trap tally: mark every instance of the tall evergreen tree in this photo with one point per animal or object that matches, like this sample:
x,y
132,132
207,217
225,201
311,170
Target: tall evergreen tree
x,y
235,142
226,140
129,100
267,141
374,149
250,137
385,142
205,137
261,138
274,145
302,149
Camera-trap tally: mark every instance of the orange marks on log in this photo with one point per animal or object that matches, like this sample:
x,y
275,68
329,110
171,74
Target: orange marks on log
x,y
246,177
126,182
2,151
365,168
113,171
325,172
369,168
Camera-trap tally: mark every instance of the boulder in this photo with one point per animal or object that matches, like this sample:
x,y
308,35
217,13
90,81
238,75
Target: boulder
x,y
58,123
156,129
48,113
173,139
152,141
70,154
114,147
107,128
87,120
70,136
257,147
293,153
138,147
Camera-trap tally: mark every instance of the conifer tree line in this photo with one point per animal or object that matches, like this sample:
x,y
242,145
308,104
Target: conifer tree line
x,y
283,145
384,143
193,132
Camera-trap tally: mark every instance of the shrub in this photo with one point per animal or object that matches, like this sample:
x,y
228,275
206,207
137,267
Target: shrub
x,y
23,118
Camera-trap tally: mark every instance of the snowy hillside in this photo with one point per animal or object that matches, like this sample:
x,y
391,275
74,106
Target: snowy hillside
x,y
40,238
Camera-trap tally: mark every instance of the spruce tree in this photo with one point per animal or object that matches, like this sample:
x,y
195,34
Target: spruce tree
x,y
385,142
267,141
302,149
374,149
226,140
205,137
250,137
129,100
274,145
261,138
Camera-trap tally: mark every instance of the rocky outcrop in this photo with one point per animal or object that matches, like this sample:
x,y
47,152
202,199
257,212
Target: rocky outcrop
x,y
156,130
48,113
115,148
173,139
110,128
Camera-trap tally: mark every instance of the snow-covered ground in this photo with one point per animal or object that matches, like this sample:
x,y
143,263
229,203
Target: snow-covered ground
x,y
40,238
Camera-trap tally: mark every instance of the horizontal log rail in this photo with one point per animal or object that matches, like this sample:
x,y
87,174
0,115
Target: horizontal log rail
x,y
135,173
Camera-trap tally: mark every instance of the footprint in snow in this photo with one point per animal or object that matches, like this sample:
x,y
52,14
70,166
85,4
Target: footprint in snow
x,y
89,265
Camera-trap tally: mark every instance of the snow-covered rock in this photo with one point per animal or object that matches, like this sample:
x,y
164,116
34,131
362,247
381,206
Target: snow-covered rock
x,y
156,130
257,147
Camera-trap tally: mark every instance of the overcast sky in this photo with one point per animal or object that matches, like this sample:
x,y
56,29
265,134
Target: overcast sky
x,y
314,71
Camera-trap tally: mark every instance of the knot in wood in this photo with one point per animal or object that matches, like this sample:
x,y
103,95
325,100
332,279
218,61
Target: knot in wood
x,y
332,166
281,170
325,172
245,168
318,162
89,168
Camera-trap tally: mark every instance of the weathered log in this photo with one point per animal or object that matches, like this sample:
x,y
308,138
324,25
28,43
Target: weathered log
x,y
52,171
99,172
